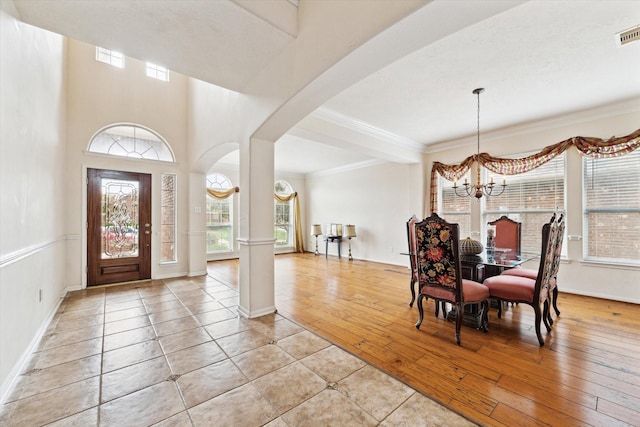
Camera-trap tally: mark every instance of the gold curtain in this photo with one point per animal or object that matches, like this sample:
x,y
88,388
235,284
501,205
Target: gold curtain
x,y
222,194
298,244
587,146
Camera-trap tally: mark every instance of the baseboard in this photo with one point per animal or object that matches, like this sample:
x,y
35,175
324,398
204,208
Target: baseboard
x,y
197,273
7,386
258,313
597,295
169,275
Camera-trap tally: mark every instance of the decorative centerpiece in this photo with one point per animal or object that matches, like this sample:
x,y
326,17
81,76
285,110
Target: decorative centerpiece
x,y
469,246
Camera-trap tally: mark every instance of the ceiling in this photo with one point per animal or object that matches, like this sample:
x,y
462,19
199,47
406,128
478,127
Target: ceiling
x,y
537,60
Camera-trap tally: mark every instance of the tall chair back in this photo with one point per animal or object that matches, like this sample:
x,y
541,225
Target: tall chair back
x,y
440,272
535,292
508,234
553,281
413,256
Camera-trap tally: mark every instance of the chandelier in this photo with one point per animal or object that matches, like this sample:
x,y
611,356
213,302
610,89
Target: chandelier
x,y
478,189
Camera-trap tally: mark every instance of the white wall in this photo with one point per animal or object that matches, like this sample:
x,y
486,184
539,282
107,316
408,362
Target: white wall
x,y
575,275
32,185
100,95
378,199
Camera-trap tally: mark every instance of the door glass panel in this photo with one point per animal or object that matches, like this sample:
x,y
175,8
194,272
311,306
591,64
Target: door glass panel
x,y
119,218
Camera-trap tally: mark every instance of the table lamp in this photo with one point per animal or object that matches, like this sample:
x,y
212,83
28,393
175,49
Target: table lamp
x,y
349,233
316,230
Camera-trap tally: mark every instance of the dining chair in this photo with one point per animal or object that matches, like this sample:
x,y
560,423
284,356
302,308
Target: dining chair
x,y
553,281
508,234
413,259
440,273
534,292
411,238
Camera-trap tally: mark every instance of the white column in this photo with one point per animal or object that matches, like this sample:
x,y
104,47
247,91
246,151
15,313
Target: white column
x,y
256,240
197,224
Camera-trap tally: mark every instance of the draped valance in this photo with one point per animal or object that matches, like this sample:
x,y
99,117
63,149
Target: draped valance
x,y
587,146
222,194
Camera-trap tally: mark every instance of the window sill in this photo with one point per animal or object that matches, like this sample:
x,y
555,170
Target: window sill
x,y
610,264
168,263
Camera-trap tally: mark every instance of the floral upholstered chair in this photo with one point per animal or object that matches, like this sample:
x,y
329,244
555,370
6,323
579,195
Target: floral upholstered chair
x,y
534,292
439,271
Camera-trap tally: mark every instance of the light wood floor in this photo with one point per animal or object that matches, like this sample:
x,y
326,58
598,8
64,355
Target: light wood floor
x,y
588,372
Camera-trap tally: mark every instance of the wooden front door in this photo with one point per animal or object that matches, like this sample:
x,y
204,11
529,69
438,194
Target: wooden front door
x,y
118,226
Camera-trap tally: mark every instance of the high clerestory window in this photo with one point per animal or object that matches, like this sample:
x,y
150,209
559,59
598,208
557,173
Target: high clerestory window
x,y
157,72
131,141
110,57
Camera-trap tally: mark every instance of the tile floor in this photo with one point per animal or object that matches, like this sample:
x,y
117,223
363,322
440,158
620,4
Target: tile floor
x,y
175,353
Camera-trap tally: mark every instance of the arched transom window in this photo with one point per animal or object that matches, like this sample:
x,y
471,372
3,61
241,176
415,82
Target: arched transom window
x,y
131,141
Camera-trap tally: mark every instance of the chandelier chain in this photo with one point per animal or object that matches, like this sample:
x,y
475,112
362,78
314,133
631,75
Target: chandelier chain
x,y
478,189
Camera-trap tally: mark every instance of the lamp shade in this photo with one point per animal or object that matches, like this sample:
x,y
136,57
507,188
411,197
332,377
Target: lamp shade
x,y
350,231
316,230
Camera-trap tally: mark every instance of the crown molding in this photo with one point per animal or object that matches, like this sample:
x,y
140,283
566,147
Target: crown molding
x,y
346,168
367,129
631,105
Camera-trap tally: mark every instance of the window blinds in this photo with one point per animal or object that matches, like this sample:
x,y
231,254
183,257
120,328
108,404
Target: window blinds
x,y
611,197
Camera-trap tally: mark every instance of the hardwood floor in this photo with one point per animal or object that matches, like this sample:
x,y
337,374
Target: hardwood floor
x,y
588,372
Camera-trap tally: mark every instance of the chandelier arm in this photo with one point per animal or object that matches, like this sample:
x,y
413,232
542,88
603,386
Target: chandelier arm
x,y
497,194
466,187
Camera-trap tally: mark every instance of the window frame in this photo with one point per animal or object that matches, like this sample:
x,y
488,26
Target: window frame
x,y
157,72
605,206
174,217
290,225
110,57
105,142
530,233
221,182
452,216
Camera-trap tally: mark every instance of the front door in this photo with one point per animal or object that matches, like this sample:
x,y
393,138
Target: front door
x,y
118,226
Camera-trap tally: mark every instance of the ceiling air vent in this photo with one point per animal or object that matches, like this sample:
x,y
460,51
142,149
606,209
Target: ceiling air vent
x,y
628,36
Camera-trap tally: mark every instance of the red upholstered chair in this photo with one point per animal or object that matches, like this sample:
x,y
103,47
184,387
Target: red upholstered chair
x,y
553,281
511,288
508,234
439,271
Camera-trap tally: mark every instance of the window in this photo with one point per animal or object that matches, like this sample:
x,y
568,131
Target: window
x,y
283,227
131,141
157,72
110,57
612,208
168,215
453,208
530,198
219,216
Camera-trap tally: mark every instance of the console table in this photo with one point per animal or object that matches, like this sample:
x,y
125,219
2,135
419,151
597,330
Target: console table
x,y
332,239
